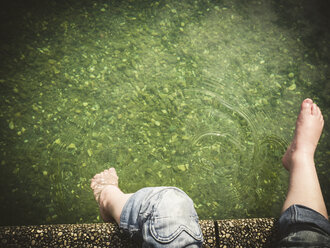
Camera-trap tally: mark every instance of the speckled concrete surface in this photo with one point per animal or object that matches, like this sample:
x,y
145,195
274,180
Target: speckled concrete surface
x,y
209,233
223,233
247,233
79,235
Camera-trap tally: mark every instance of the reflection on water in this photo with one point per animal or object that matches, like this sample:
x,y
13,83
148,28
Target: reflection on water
x,y
195,94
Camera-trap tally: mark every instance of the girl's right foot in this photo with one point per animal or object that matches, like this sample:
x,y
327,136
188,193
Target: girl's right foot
x,y
309,127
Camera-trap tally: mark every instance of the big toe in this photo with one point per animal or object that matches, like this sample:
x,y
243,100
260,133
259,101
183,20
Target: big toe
x,y
306,106
308,100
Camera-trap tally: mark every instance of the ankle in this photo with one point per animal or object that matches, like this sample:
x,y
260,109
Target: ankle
x,y
301,158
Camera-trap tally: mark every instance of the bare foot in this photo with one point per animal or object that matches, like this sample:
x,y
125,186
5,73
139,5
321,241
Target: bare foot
x,y
103,179
309,127
101,184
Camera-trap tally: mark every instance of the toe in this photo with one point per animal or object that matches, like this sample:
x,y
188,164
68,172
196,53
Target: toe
x,y
97,176
308,100
113,171
315,109
318,111
307,105
93,185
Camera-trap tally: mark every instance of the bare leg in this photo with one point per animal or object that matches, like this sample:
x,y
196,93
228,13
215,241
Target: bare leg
x,y
110,198
304,187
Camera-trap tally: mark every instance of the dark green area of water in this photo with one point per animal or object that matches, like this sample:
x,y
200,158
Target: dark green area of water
x,y
202,95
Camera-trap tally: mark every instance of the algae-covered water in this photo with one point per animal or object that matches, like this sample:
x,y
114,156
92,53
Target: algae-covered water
x,y
202,95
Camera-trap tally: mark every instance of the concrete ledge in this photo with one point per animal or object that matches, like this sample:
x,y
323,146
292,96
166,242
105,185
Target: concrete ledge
x,y
247,233
222,233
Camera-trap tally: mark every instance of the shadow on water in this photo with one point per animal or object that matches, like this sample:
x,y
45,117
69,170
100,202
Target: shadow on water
x,y
312,21
309,22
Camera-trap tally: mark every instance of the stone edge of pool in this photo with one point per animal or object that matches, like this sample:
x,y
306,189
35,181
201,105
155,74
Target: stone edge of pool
x,y
256,232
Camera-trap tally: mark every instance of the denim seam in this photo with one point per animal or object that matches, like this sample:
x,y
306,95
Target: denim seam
x,y
172,236
295,214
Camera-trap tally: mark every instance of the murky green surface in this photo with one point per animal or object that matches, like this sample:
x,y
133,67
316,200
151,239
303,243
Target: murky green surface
x,y
202,95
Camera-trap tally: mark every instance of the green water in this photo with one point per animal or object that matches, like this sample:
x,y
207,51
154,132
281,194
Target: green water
x,y
202,95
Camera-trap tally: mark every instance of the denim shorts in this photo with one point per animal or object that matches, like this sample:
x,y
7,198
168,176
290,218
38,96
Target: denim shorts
x,y
162,217
300,226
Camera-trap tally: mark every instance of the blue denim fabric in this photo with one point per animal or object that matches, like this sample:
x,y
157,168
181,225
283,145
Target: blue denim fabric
x,y
301,226
162,217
